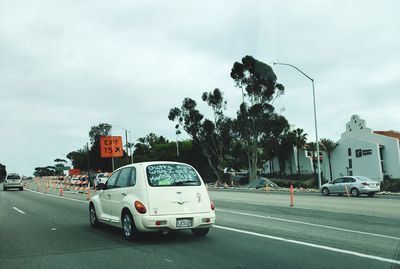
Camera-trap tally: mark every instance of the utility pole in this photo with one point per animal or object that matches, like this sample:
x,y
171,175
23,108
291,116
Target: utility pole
x,y
126,144
88,162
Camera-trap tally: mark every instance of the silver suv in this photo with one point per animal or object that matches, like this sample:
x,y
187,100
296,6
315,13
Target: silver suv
x,y
13,180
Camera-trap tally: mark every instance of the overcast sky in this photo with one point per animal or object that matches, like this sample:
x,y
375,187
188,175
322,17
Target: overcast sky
x,y
67,65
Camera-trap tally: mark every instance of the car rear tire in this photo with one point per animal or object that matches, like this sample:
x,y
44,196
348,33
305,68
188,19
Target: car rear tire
x,y
94,222
354,192
201,232
4,188
128,227
325,192
21,189
371,194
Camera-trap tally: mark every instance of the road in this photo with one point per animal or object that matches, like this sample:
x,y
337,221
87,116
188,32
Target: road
x,y
253,230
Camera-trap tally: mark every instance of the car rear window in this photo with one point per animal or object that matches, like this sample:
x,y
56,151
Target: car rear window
x,y
13,177
164,175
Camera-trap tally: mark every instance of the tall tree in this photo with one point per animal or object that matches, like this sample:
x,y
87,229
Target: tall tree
x,y
312,147
3,172
96,162
300,139
60,166
284,148
214,136
78,159
328,147
81,157
45,171
259,87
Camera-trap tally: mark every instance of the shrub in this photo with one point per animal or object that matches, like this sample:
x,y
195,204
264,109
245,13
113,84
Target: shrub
x,y
391,184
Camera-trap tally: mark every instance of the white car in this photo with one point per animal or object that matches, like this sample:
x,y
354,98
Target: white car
x,y
154,196
100,178
13,180
76,180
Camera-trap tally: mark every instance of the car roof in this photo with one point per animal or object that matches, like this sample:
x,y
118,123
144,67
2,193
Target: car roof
x,y
145,164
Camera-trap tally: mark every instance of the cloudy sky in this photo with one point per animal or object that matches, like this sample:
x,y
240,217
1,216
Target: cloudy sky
x,y
67,65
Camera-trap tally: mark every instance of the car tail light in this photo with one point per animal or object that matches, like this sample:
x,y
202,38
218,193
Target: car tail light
x,y
212,205
140,207
365,183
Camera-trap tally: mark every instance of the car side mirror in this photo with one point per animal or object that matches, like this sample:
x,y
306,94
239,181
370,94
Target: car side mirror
x,y
101,186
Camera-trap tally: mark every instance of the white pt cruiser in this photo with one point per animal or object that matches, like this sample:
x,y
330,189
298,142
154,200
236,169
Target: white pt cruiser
x,y
153,196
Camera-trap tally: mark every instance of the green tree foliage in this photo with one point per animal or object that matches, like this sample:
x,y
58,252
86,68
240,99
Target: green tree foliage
x,y
46,171
78,159
154,148
3,171
60,166
312,147
96,162
300,140
328,145
214,136
284,147
259,87
157,148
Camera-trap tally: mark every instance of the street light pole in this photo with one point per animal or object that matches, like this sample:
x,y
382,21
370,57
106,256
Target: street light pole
x,y
315,118
126,141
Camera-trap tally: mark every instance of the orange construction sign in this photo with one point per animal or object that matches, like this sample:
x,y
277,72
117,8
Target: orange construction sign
x,y
111,146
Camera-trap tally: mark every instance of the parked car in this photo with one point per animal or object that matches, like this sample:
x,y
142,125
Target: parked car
x,y
153,196
76,180
355,185
100,178
13,180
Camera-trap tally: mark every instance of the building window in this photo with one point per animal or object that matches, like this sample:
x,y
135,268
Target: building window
x,y
349,151
350,164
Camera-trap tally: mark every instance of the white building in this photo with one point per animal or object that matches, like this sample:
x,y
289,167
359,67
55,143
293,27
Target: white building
x,y
361,151
305,164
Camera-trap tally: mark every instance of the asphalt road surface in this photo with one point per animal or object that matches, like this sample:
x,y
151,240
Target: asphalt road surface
x,y
253,230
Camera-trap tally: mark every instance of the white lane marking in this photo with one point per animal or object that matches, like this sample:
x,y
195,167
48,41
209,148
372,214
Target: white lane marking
x,y
19,210
343,251
60,197
310,224
314,209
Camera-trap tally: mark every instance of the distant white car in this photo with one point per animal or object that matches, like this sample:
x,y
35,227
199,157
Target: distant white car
x,y
76,180
101,178
13,180
153,196
355,185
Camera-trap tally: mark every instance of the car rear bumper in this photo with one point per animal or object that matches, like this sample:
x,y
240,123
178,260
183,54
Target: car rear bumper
x,y
369,190
169,222
13,185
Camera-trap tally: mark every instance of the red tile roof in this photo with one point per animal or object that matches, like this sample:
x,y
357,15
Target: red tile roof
x,y
390,133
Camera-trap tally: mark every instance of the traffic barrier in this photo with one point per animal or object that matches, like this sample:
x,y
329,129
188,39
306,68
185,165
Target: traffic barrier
x,y
88,192
347,191
62,184
291,195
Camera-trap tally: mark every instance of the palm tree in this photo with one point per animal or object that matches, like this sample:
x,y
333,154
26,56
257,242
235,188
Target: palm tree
x,y
328,146
300,139
312,147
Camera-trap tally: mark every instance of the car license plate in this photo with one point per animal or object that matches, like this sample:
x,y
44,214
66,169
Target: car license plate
x,y
183,223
